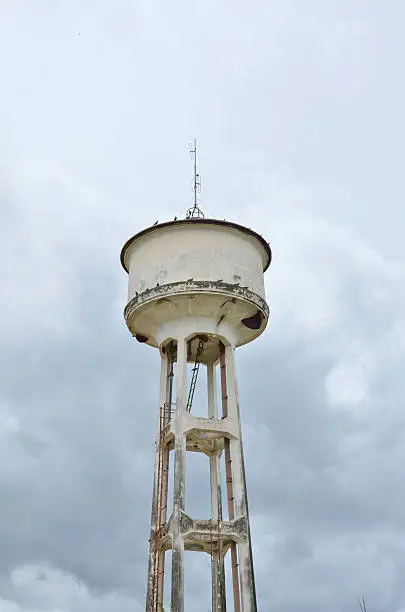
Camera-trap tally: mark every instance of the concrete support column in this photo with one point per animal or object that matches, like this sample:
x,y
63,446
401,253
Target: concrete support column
x,y
246,573
164,421
217,560
155,558
177,597
229,480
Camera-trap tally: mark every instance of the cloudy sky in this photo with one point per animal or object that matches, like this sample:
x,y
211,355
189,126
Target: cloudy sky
x,y
298,109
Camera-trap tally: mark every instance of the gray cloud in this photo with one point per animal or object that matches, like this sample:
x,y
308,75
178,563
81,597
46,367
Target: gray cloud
x,y
299,117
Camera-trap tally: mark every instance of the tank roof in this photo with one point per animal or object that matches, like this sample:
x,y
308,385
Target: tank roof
x,y
198,221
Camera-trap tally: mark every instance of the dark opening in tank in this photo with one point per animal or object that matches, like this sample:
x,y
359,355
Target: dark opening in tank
x,y
254,322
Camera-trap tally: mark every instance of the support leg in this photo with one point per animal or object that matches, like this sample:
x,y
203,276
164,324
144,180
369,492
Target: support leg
x,y
168,410
217,561
246,573
229,481
177,599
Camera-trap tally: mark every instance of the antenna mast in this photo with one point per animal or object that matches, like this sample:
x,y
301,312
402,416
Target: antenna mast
x,y
195,211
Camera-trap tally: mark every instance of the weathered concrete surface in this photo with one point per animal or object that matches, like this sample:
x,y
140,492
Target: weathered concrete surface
x,y
228,290
217,437
177,596
187,278
209,250
217,557
205,535
209,269
215,536
227,303
246,572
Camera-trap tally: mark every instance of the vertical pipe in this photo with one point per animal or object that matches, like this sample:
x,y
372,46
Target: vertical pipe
x,y
212,392
246,572
177,597
159,554
229,482
153,541
217,559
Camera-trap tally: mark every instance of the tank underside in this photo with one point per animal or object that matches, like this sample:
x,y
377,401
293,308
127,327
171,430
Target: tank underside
x,y
245,312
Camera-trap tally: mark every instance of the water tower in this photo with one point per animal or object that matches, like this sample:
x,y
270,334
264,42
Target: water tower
x,y
196,293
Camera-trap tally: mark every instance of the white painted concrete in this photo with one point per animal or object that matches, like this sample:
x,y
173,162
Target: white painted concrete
x,y
176,253
193,280
177,599
177,271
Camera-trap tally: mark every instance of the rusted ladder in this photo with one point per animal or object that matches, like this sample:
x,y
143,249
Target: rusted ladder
x,y
157,535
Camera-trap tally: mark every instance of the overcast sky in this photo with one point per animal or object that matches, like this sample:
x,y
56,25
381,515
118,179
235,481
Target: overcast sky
x,y
298,110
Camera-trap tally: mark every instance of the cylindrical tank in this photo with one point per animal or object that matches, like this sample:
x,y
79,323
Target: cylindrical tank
x,y
204,271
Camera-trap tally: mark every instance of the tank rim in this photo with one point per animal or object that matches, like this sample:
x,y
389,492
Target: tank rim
x,y
200,221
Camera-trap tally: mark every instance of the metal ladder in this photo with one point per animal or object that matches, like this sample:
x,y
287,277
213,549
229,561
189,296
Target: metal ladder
x,y
194,376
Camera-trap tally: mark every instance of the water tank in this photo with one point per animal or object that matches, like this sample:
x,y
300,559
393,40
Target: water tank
x,y
203,271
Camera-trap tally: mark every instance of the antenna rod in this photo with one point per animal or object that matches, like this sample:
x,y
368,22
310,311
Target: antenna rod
x,y
196,177
195,211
